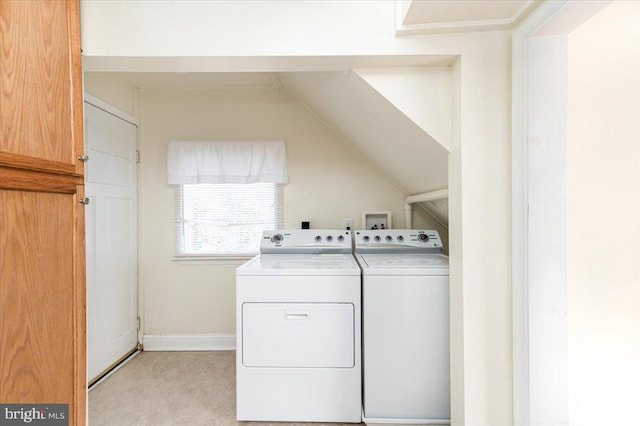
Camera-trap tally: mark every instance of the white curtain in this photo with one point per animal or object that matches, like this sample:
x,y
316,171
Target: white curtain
x,y
227,162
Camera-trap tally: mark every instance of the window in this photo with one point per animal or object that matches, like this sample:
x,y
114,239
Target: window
x,y
225,219
227,193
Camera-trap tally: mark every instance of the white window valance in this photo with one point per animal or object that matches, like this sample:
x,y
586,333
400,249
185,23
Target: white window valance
x,y
244,162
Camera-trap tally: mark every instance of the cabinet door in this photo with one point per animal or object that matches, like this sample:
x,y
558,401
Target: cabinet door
x,y
42,324
41,86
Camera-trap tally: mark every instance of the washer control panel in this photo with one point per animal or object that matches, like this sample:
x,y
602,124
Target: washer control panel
x,y
398,240
306,241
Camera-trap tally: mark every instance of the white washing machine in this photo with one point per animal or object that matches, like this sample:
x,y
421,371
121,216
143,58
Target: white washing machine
x,y
298,313
405,303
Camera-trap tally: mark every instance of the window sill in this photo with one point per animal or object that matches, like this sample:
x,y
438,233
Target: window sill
x,y
213,260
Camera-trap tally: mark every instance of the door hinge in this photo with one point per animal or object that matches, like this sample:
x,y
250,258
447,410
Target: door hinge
x,y
137,157
138,319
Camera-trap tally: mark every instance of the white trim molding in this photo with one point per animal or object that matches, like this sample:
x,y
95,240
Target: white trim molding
x,y
189,342
491,24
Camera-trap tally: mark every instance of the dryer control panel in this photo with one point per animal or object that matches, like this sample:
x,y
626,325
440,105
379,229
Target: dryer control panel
x,y
398,241
310,241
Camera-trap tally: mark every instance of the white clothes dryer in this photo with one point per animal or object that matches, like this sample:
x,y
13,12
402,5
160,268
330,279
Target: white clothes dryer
x,y
405,291
298,313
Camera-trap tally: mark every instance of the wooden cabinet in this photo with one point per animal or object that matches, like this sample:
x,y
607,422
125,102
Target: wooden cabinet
x,y
40,75
42,278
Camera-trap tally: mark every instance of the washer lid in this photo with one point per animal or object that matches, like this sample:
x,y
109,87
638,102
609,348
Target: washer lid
x,y
300,264
404,264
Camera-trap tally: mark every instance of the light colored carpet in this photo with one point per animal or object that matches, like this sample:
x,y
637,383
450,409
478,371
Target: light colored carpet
x,y
169,388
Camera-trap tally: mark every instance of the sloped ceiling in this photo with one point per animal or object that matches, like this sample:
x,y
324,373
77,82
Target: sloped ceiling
x,y
384,134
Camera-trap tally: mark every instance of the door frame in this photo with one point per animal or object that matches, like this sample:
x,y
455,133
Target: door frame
x,y
540,332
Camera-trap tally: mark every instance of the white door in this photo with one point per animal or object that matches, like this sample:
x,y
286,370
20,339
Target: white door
x,y
111,233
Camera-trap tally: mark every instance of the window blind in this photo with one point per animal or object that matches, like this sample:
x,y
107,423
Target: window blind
x,y
225,219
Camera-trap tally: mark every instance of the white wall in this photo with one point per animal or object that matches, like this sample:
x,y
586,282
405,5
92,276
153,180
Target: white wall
x,y
111,90
232,36
329,181
233,28
604,218
480,238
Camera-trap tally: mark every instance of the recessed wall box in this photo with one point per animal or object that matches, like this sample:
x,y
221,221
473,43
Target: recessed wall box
x,y
376,220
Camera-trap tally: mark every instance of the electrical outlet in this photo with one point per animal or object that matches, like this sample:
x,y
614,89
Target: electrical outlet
x,y
347,223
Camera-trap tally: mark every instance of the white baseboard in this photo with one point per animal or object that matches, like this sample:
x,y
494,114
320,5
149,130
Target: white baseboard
x,y
189,342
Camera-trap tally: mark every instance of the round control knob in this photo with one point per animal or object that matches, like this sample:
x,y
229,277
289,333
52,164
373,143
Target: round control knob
x,y
400,238
377,238
277,238
388,238
423,238
365,238
329,238
340,238
318,238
